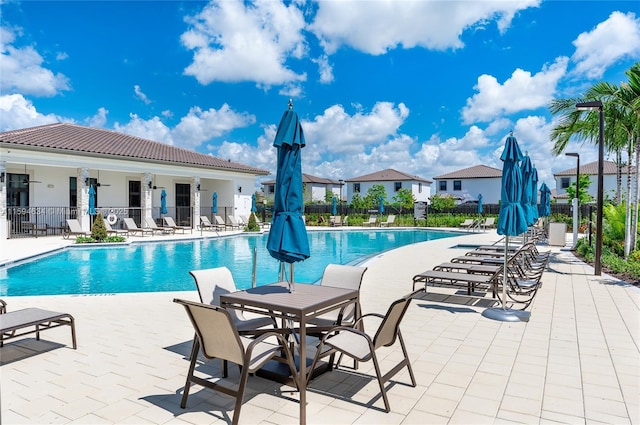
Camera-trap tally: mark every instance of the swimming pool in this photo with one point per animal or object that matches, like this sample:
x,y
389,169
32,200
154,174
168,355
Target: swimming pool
x,y
164,266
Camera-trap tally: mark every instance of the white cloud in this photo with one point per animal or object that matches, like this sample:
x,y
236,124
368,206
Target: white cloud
x,y
233,41
140,95
17,112
610,41
376,27
22,70
324,68
198,126
152,129
99,119
519,93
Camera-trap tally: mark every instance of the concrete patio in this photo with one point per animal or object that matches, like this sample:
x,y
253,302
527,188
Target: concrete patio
x,y
576,361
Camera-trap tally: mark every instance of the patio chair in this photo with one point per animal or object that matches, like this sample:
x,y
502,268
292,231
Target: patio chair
x,y
151,224
490,223
260,223
205,224
133,228
345,220
362,346
218,337
74,229
372,221
467,223
171,223
233,222
115,232
220,224
390,220
335,220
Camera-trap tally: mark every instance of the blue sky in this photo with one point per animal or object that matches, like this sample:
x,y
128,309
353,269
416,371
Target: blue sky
x,y
424,87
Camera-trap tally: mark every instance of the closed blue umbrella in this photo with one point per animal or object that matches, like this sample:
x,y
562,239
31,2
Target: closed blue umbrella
x,y
511,221
334,206
545,201
480,203
534,194
288,241
214,203
527,184
163,202
92,201
253,203
381,205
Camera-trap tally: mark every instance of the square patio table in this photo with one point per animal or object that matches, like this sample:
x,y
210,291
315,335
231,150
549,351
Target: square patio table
x,y
301,305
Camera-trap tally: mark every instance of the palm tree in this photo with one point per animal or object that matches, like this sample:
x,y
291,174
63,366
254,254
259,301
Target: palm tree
x,y
621,107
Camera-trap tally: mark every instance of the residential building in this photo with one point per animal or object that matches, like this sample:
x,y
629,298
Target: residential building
x,y
566,178
315,188
46,173
466,184
393,181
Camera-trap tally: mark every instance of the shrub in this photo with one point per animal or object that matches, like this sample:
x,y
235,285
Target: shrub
x,y
252,226
98,230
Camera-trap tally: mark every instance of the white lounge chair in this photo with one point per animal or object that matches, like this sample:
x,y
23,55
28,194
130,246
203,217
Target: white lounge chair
x,y
151,224
170,222
390,220
233,222
372,221
74,228
112,231
489,223
133,228
468,223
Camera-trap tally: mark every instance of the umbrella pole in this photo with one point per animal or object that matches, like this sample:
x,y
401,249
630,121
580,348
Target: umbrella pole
x,y
255,266
291,277
504,272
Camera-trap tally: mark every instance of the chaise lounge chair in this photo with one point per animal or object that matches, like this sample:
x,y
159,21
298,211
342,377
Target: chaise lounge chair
x,y
133,228
74,228
114,232
151,224
390,220
372,221
170,222
233,222
489,223
17,323
468,223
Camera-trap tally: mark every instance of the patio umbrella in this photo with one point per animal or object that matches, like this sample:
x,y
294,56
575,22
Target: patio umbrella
x,y
253,203
527,184
480,203
511,221
214,203
334,206
545,201
92,201
534,194
381,205
288,241
163,202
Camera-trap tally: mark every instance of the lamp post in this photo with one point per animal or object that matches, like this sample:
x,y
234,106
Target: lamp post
x,y
593,106
576,206
341,183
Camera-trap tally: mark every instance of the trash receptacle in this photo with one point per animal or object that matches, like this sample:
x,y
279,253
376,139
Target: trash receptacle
x,y
558,234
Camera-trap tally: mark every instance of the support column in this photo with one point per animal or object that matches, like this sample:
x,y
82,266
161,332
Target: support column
x,y
147,198
195,202
4,228
82,190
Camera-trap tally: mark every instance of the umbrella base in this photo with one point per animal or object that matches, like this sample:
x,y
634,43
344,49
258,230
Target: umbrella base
x,y
506,315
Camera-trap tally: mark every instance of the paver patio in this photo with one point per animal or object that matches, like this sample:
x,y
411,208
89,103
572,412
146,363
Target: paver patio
x,y
576,361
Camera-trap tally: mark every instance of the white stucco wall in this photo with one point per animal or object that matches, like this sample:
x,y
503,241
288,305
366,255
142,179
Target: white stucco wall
x,y
608,185
420,192
471,188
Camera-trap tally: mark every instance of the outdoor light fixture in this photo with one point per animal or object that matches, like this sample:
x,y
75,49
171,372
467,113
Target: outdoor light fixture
x,y
150,185
86,181
198,187
239,189
593,106
576,214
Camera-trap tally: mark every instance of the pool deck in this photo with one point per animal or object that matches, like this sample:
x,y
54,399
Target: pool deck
x,y
576,361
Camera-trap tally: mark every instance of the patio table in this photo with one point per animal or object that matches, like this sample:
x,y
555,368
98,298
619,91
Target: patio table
x,y
301,305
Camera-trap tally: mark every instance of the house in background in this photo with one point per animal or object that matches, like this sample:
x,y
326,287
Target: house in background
x,y
315,188
46,173
392,181
566,178
466,184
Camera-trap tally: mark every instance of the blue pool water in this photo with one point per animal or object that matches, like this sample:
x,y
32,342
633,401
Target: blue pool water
x,y
164,266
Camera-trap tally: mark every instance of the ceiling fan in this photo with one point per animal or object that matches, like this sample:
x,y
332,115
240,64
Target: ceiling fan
x,y
98,184
26,180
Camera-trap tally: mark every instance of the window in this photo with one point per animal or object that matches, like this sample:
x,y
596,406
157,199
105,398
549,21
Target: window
x,y
271,188
356,187
419,187
457,185
397,186
443,185
73,193
565,182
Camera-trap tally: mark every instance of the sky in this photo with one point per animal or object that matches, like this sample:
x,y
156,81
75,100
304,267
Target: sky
x,y
423,87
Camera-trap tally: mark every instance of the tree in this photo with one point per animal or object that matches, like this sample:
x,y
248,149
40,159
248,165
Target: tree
x,y
441,203
373,195
357,203
98,230
585,182
328,196
405,199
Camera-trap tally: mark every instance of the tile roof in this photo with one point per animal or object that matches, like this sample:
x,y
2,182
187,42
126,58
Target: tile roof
x,y
475,172
591,169
80,140
388,175
308,178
